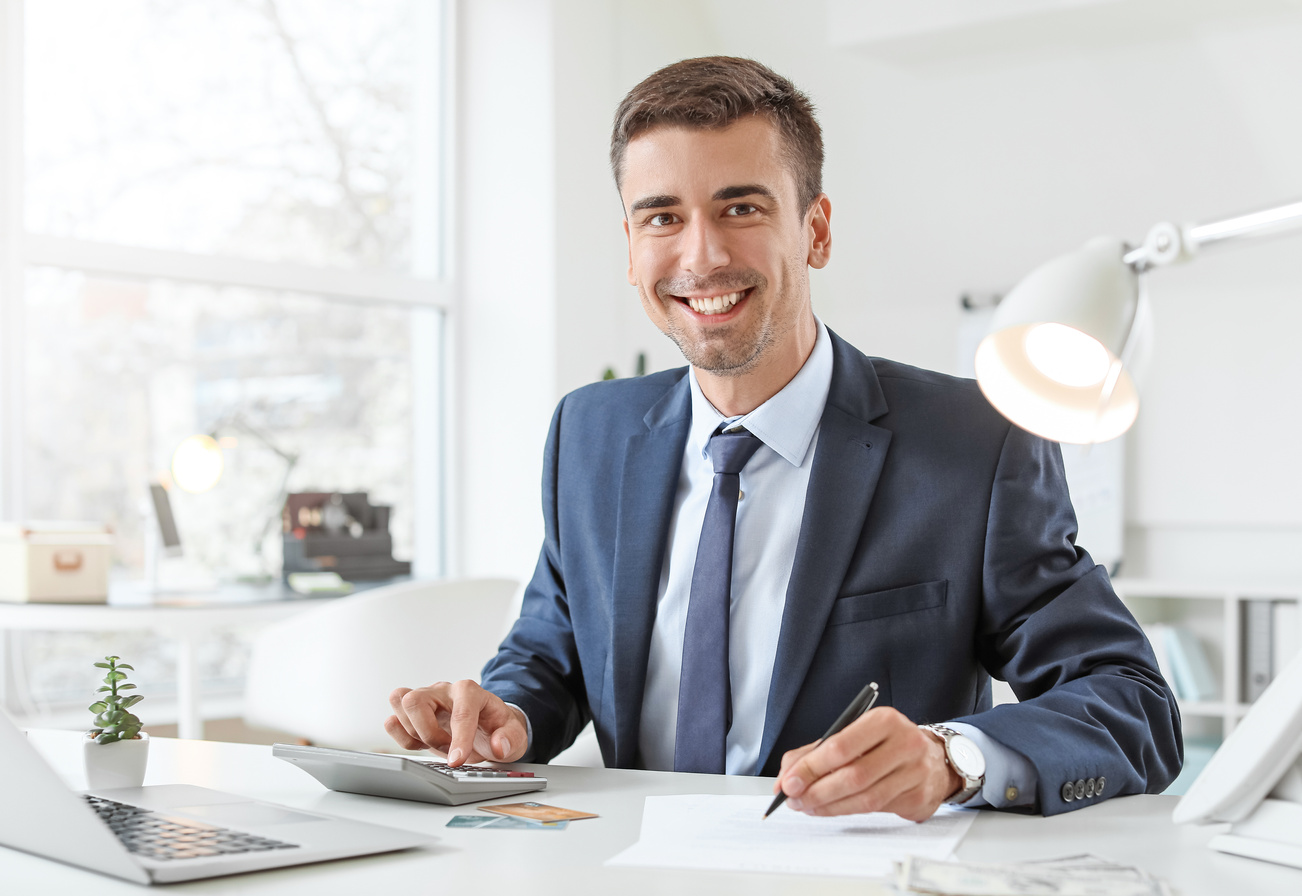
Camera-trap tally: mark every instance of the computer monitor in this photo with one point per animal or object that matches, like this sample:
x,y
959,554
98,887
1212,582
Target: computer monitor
x,y
162,503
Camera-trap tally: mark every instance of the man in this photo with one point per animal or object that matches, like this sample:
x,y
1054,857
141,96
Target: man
x,y
889,527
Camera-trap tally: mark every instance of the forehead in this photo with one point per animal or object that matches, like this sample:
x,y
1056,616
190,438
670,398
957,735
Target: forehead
x,y
695,163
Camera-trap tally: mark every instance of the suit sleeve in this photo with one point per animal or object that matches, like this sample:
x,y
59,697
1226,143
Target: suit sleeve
x,y
1093,705
537,666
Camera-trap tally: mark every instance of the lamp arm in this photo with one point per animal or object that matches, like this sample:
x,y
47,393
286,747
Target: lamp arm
x,y
237,422
1167,243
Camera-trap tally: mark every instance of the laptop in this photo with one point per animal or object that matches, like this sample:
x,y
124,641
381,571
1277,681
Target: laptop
x,y
171,832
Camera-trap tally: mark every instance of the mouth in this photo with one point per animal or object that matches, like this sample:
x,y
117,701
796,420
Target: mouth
x,y
709,306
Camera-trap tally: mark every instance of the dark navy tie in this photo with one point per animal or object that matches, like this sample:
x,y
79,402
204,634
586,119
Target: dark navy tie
x,y
704,690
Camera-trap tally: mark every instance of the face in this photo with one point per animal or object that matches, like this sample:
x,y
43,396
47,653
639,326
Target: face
x,y
719,247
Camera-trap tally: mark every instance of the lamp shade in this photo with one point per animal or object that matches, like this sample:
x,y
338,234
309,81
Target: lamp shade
x,y
197,463
1057,359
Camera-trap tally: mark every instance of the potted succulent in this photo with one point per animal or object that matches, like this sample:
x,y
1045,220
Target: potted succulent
x,y
116,750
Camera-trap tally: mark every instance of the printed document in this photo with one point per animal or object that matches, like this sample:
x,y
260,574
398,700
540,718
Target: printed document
x,y
730,833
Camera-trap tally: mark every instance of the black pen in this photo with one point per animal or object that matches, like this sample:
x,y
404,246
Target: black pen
x,y
858,706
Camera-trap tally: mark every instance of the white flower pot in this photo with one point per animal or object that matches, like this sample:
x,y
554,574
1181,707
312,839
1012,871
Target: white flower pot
x,y
120,764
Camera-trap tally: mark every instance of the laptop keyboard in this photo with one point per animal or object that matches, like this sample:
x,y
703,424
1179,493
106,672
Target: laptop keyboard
x,y
157,836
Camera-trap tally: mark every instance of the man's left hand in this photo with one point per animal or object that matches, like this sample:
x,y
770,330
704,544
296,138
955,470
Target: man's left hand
x,y
881,762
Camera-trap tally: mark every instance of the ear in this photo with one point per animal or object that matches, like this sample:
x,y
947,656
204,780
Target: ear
x,y
629,239
818,221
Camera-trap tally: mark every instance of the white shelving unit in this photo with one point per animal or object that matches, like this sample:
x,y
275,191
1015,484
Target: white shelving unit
x,y
1214,613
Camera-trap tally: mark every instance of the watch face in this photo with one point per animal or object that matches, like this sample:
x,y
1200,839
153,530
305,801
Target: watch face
x,y
967,757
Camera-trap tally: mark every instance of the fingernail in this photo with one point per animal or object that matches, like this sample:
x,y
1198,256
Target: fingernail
x,y
794,786
454,757
796,804
506,748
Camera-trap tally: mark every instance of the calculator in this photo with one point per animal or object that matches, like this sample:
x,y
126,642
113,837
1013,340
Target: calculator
x,y
407,777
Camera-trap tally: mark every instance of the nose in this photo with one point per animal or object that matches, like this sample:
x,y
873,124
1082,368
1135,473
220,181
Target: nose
x,y
704,247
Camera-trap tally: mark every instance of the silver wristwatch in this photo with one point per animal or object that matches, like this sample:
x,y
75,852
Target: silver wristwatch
x,y
965,757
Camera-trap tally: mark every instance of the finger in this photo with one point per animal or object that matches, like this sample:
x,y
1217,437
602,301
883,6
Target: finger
x,y
841,749
422,707
510,739
468,702
395,703
882,794
401,735
788,759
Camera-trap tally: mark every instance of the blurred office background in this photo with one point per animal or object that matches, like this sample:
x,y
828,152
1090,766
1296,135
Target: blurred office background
x,y
385,234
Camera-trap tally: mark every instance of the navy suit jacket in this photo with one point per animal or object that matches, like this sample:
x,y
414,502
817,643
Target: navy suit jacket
x,y
936,549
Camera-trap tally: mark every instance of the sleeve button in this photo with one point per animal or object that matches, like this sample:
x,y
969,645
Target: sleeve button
x,y
1080,788
1068,792
1010,794
1098,785
1089,788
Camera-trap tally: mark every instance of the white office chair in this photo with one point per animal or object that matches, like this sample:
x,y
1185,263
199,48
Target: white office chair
x,y
325,675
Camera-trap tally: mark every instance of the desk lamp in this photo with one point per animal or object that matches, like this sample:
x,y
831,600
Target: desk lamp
x,y
1061,354
197,464
1058,360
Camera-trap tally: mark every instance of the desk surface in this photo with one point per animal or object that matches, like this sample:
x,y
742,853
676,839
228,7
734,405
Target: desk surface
x,y
1134,830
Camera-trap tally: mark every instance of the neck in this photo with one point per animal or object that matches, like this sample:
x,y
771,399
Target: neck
x,y
733,396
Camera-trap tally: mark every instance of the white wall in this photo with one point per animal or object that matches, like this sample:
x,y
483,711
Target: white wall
x,y
957,159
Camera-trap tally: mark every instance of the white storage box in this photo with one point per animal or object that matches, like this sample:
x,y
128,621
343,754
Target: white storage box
x,y
54,562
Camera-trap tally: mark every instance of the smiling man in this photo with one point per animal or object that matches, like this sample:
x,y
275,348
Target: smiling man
x,y
733,549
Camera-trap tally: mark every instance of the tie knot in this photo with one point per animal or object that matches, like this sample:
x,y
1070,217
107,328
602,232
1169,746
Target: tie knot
x,y
731,450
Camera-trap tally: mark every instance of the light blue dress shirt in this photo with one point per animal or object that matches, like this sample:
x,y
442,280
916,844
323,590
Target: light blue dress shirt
x,y
773,486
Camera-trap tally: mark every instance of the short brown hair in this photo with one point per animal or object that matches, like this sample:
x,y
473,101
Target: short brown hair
x,y
713,92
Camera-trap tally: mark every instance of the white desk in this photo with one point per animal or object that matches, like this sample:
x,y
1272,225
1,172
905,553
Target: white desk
x,y
1135,830
182,617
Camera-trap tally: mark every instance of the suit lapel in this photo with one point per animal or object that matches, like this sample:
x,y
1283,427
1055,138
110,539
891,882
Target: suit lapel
x,y
848,462
652,461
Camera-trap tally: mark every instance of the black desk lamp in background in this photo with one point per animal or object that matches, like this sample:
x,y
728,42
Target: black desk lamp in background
x,y
197,466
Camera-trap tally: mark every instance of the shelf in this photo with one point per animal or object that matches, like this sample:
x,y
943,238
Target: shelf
x,y
1214,614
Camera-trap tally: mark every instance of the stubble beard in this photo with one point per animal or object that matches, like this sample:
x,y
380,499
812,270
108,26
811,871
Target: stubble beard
x,y
729,350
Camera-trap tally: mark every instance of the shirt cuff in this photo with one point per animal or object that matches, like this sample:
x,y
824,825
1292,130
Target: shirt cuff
x,y
1010,778
528,728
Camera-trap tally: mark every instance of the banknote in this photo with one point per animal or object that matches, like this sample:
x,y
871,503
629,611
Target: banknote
x,y
1069,876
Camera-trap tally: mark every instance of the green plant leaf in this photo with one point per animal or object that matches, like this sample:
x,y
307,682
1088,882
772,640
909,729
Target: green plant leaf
x,y
115,676
130,719
125,686
132,700
130,733
103,666
102,689
108,717
112,659
106,738
98,707
125,666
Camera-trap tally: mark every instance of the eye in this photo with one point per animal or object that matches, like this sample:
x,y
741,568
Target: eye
x,y
740,209
664,219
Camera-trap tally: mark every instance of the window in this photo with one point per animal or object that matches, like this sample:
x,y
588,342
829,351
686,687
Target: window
x,y
213,213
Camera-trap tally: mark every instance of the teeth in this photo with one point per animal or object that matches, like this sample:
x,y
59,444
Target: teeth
x,y
714,304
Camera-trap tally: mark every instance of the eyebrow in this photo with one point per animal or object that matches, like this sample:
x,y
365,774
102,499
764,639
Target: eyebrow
x,y
655,202
745,190
722,195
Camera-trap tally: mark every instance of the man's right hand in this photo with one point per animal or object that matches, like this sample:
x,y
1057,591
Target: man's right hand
x,y
460,719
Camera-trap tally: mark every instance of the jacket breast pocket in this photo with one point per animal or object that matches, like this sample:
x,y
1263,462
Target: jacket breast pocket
x,y
891,602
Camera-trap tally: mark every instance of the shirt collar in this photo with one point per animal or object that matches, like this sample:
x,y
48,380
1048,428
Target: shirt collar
x,y
787,421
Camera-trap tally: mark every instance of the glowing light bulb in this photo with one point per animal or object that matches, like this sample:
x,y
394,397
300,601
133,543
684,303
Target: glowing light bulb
x,y
1066,355
197,464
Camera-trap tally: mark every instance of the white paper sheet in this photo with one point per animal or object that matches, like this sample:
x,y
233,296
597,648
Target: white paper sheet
x,y
729,833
